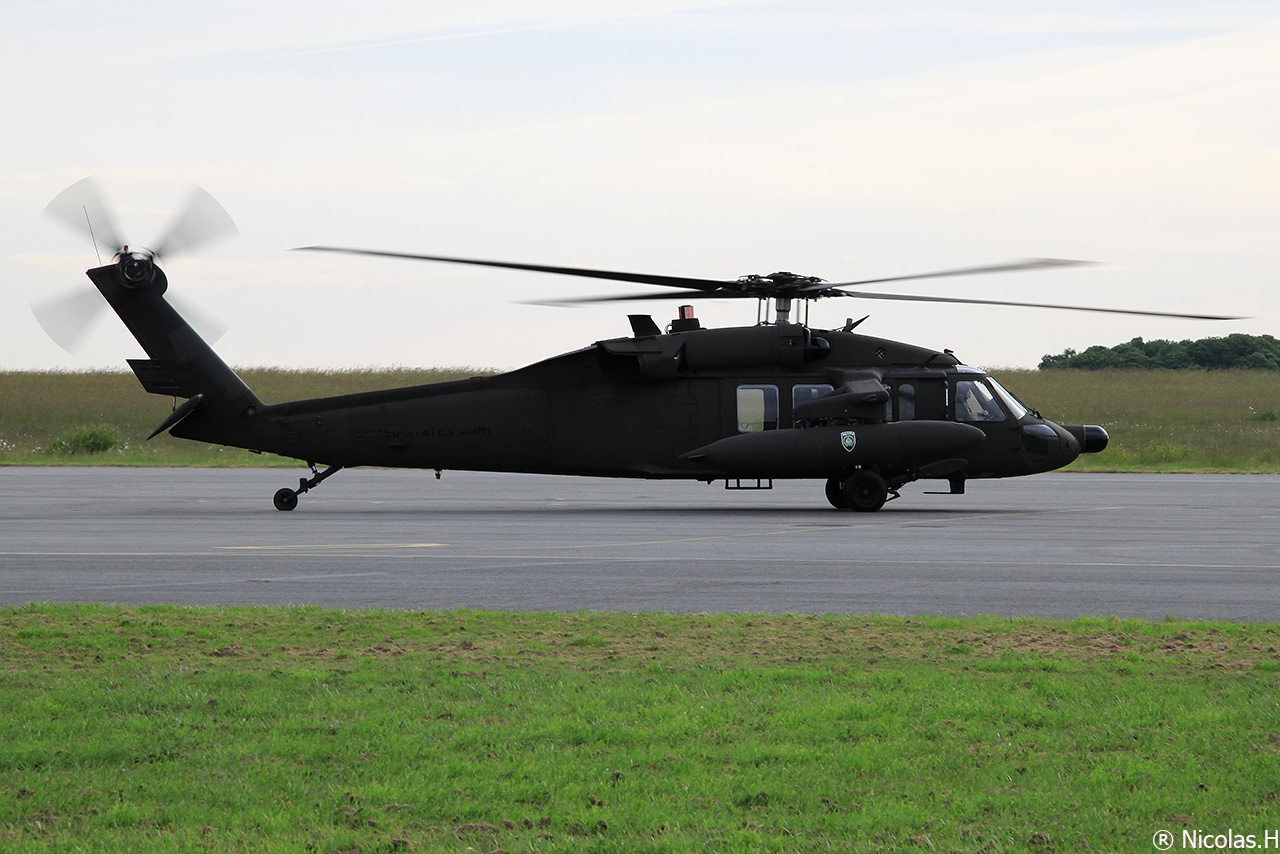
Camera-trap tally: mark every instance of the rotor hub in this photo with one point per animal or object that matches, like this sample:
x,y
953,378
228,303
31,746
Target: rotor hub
x,y
137,268
775,285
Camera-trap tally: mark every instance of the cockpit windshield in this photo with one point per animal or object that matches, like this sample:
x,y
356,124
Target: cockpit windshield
x,y
1011,403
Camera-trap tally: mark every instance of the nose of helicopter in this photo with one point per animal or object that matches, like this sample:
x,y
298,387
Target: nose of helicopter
x,y
1051,446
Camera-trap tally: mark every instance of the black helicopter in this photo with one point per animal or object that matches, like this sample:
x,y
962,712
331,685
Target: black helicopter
x,y
745,405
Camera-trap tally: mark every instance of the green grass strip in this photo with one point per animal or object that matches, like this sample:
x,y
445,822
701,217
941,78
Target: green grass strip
x,y
303,729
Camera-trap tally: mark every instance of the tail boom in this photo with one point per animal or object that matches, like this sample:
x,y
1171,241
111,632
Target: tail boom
x,y
180,364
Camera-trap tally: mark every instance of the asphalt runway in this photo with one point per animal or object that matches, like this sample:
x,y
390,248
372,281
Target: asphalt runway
x,y
1062,545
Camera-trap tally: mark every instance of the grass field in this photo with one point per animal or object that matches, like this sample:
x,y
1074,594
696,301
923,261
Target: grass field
x,y
300,729
1164,420
38,409
1158,420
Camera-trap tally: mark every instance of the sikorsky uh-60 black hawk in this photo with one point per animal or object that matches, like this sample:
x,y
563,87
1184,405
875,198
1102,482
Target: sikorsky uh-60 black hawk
x,y
744,405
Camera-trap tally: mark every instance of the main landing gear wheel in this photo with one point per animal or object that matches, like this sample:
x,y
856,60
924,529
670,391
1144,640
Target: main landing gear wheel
x,y
864,491
835,494
285,499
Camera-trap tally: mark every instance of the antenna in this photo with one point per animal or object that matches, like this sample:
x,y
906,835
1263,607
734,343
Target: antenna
x,y
92,238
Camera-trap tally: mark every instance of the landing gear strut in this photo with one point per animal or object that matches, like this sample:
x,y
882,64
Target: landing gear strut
x,y
287,499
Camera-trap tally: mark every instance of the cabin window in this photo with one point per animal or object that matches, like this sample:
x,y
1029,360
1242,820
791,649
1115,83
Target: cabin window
x,y
805,393
757,408
975,402
906,402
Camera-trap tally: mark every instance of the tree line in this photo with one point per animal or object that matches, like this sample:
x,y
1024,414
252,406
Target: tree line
x,y
1233,351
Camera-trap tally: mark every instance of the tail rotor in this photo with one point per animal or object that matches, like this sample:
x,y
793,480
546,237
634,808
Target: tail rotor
x,y
68,318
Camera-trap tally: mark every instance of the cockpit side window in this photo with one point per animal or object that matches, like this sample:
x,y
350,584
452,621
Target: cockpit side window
x,y
757,408
975,402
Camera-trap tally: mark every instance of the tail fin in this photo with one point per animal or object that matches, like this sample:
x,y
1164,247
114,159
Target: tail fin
x,y
181,364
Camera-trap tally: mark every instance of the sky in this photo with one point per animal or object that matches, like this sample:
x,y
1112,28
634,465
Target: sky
x,y
833,138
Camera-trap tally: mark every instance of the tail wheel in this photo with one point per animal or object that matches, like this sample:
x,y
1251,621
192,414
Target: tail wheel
x,y
285,499
865,491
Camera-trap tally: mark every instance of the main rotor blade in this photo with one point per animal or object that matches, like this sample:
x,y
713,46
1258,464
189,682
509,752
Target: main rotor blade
x,y
916,298
734,289
202,220
81,207
634,297
66,319
639,278
1008,267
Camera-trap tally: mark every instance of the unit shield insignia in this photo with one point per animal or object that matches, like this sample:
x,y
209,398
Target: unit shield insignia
x,y
848,440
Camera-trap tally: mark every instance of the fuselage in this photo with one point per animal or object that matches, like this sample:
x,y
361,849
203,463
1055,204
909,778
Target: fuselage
x,y
642,407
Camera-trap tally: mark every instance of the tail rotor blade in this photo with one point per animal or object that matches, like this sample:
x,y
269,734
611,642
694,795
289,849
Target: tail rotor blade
x,y
209,327
203,220
81,207
67,319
